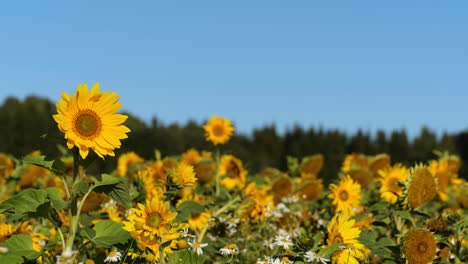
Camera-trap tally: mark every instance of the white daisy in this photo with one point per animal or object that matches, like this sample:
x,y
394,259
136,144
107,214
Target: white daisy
x,y
311,257
113,256
197,247
283,241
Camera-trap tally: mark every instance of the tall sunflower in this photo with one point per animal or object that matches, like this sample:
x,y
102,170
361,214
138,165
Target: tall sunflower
x,y
218,130
390,177
346,196
419,246
89,120
341,230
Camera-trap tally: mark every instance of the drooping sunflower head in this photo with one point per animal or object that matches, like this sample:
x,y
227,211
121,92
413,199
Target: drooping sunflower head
x,y
310,190
218,130
346,196
421,186
419,246
282,187
312,165
89,120
198,221
390,179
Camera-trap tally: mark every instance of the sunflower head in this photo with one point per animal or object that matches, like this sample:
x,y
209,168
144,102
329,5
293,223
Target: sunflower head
x,y
125,161
232,169
420,187
89,120
150,220
390,179
419,246
312,165
342,230
379,162
346,196
191,157
354,161
218,130
310,190
183,175
6,166
282,187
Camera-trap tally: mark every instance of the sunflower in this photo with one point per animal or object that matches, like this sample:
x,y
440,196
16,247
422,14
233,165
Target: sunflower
x,y
354,161
6,166
258,204
218,130
378,162
150,220
419,246
341,230
390,177
310,190
191,157
311,165
421,186
346,196
89,120
233,171
125,161
282,187
183,175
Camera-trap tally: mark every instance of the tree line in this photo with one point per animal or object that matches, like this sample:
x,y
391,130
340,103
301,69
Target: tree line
x,y
23,124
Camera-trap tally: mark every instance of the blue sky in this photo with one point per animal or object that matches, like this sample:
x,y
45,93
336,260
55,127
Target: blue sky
x,y
334,64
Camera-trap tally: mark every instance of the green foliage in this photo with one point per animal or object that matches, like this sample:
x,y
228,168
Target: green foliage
x,y
108,233
33,201
188,208
55,166
114,188
19,247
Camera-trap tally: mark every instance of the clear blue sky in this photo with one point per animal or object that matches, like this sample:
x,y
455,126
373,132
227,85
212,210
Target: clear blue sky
x,y
335,64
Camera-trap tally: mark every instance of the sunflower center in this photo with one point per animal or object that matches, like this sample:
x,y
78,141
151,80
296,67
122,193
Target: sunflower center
x,y
218,130
87,124
153,220
422,247
344,195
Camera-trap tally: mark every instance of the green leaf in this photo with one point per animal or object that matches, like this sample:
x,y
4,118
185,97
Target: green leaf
x,y
80,188
118,192
405,215
55,166
188,208
106,179
19,246
109,233
328,251
30,200
114,188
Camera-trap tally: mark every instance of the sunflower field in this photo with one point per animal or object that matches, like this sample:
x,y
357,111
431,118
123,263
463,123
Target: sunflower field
x,y
206,207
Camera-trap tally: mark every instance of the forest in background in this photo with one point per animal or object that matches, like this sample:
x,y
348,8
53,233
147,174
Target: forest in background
x,y
24,122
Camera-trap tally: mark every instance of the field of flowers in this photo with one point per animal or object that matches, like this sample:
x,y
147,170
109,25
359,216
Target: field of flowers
x,y
206,207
